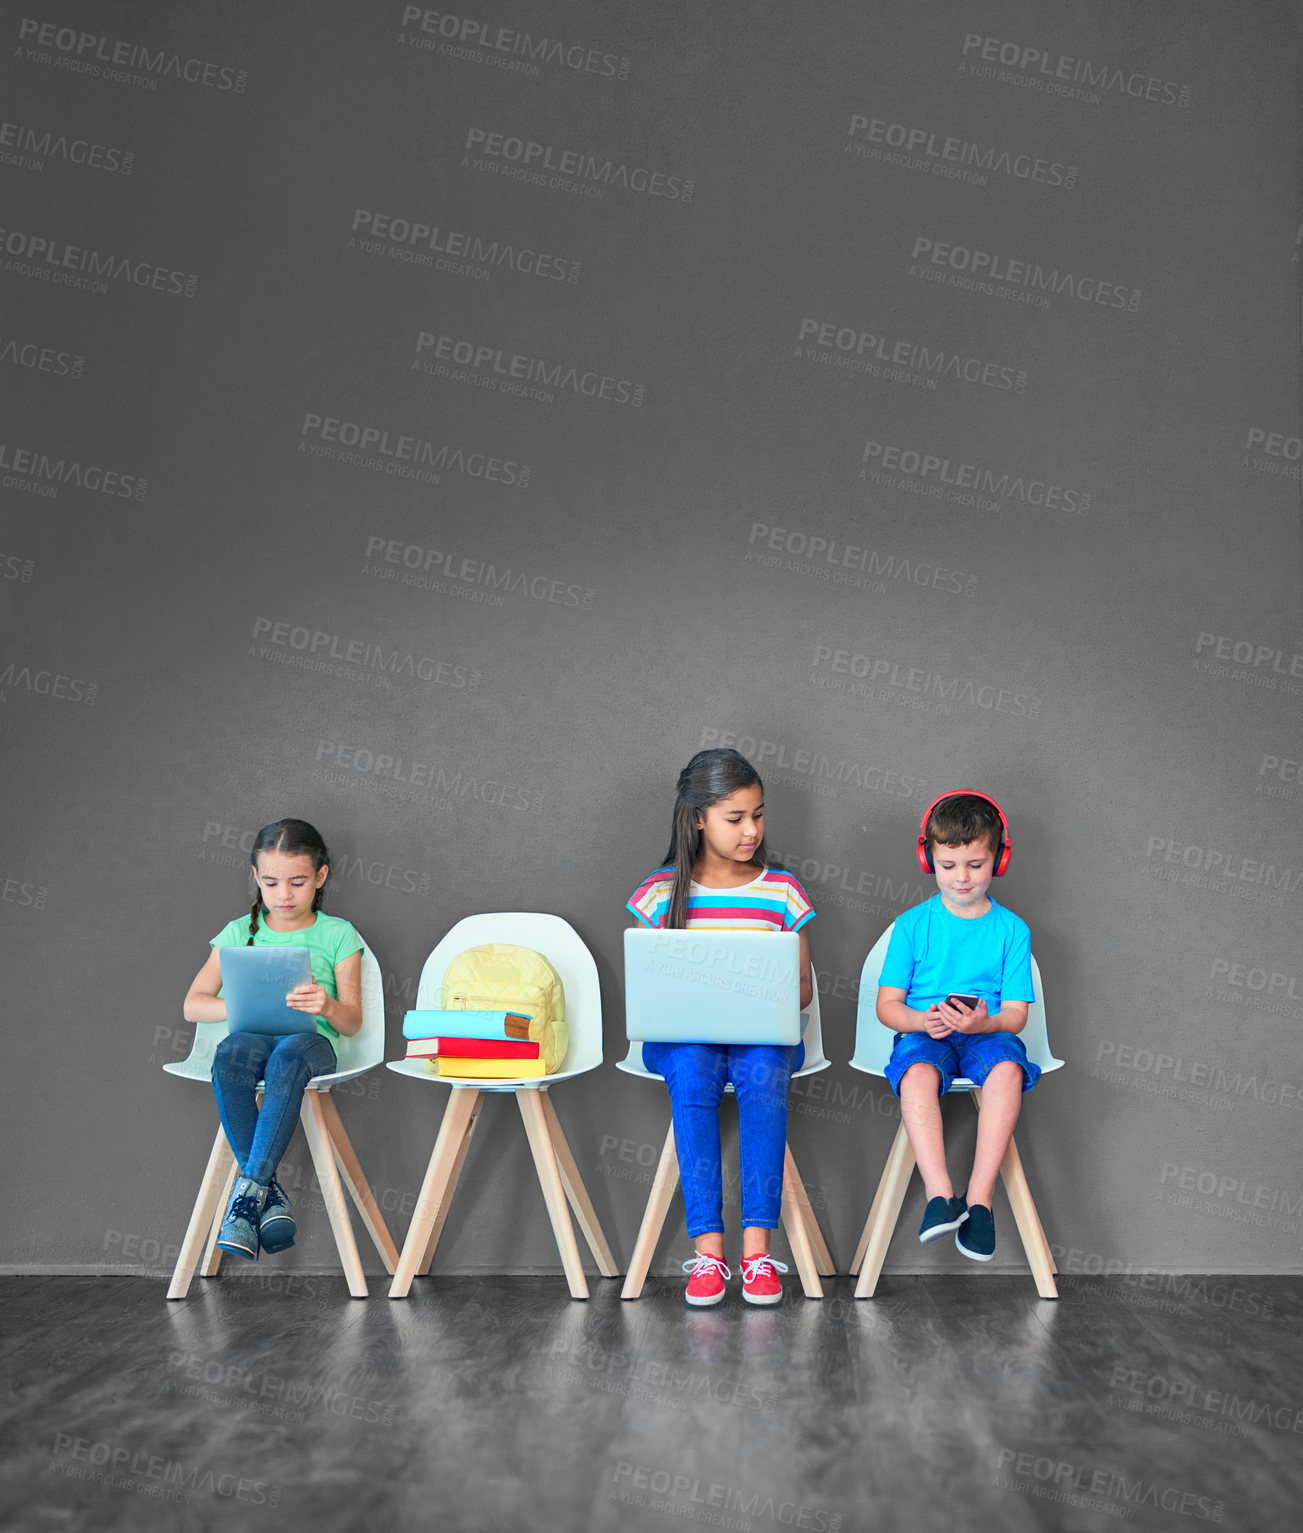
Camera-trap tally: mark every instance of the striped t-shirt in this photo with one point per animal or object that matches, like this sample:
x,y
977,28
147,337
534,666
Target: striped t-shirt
x,y
772,901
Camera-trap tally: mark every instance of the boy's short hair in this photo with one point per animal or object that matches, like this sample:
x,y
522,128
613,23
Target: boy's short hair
x,y
963,817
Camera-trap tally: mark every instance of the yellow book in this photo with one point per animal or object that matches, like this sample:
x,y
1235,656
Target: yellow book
x,y
488,1069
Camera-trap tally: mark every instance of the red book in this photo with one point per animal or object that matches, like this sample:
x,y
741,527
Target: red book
x,y
470,1048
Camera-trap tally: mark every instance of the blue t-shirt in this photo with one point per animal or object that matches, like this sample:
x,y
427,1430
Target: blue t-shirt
x,y
933,954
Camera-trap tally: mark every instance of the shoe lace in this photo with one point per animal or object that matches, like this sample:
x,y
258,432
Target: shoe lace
x,y
244,1206
757,1264
703,1265
276,1195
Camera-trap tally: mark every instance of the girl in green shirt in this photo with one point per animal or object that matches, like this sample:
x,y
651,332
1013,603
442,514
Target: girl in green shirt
x,y
290,866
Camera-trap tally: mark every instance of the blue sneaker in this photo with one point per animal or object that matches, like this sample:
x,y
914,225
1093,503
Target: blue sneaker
x,y
239,1231
940,1216
977,1238
276,1227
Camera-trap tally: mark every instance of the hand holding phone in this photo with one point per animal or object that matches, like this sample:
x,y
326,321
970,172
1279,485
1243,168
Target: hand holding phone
x,y
935,1025
966,1013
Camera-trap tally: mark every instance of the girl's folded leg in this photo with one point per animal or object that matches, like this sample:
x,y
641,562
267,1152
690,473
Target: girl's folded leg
x,y
695,1074
293,1062
238,1065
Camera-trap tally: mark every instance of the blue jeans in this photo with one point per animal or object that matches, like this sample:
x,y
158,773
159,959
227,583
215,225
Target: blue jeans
x,y
286,1065
696,1074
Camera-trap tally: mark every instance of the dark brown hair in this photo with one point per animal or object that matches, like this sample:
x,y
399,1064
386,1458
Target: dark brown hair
x,y
296,838
710,776
963,818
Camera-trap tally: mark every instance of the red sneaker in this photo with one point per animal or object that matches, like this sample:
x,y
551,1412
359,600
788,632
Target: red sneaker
x,y
709,1274
760,1284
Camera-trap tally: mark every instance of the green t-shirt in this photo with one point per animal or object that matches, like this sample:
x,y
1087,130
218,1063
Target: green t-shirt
x,y
329,940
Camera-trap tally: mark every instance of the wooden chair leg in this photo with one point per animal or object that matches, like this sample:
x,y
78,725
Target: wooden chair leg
x,y
822,1256
1026,1218
212,1255
1029,1226
857,1261
445,1202
315,1128
549,1176
355,1180
452,1131
798,1234
203,1217
577,1193
881,1223
663,1187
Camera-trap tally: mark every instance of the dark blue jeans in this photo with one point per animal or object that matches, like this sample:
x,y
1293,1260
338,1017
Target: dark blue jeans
x,y
696,1074
286,1065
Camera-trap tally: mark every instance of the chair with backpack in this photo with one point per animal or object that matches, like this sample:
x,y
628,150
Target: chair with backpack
x,y
538,965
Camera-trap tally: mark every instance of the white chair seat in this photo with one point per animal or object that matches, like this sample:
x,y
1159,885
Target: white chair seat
x,y
416,1069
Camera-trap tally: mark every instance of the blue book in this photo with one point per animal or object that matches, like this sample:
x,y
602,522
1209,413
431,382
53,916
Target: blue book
x,y
466,1024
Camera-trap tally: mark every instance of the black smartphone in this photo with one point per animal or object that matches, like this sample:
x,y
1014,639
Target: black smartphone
x,y
963,1000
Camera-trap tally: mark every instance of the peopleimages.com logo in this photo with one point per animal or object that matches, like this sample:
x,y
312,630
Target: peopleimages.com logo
x,y
320,648
507,371
989,271
481,41
1058,74
44,474
39,358
933,472
54,260
868,351
875,674
29,147
915,147
396,453
547,164
425,242
95,53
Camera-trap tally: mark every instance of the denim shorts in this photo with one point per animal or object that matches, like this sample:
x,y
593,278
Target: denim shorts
x,y
968,1055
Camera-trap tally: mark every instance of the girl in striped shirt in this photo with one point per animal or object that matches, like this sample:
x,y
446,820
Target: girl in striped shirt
x,y
715,877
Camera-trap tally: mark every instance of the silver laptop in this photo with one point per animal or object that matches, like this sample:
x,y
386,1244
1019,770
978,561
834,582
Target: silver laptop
x,y
686,985
255,982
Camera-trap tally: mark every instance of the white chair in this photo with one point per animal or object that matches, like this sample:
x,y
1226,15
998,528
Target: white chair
x,y
327,1141
873,1044
803,1232
558,1174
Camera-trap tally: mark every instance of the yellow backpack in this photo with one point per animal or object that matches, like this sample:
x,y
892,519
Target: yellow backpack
x,y
500,976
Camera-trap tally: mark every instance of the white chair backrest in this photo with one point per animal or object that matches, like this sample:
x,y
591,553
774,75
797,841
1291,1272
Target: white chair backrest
x,y
873,1042
365,1049
811,1033
563,948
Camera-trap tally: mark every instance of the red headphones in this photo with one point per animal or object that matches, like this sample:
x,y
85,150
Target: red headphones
x,y
1003,850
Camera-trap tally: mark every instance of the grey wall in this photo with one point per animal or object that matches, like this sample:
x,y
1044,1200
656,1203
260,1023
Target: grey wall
x,y
1081,594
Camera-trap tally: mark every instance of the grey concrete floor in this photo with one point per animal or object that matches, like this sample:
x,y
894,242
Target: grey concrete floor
x,y
961,1402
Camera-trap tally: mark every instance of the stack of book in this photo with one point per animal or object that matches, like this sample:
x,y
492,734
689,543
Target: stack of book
x,y
484,1045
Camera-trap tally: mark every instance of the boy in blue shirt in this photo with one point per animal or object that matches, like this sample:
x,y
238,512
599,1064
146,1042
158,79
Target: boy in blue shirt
x,y
959,943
